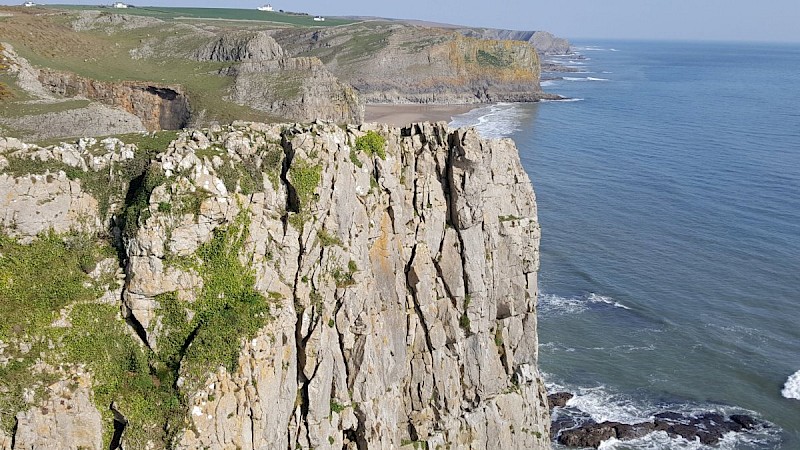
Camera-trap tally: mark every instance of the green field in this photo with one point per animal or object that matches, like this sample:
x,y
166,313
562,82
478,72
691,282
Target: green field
x,y
164,13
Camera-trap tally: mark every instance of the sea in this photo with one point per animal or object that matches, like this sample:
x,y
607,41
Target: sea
x,y
668,187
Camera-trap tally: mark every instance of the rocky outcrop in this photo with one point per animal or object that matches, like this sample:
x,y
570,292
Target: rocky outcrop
x,y
67,420
706,427
111,23
409,293
394,63
158,107
237,47
265,79
94,118
389,295
545,43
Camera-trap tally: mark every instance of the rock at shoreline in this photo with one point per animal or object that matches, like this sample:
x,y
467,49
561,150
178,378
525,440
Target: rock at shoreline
x,y
559,399
707,428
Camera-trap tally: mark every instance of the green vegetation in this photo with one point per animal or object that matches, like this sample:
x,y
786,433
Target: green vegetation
x,y
227,310
344,278
499,60
138,211
34,290
218,14
337,407
327,239
372,144
242,174
305,178
464,321
354,158
32,300
121,374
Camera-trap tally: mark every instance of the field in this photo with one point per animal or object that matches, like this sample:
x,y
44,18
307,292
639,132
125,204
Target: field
x,y
225,14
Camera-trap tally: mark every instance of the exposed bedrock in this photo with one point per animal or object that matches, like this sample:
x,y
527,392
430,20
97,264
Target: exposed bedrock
x,y
398,288
158,107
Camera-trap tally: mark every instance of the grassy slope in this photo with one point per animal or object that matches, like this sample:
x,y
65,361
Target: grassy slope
x,y
219,14
47,41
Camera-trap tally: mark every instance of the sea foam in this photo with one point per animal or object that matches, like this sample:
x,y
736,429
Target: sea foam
x,y
792,387
601,403
555,305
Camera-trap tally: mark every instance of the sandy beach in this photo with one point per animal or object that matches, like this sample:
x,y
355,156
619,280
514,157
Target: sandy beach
x,y
401,115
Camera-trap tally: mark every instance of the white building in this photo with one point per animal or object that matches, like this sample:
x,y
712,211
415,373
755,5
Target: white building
x,y
266,7
319,19
28,4
119,5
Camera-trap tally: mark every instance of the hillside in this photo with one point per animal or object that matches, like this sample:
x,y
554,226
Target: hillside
x,y
73,71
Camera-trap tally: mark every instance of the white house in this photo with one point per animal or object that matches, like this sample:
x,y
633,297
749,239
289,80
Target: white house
x,y
28,4
266,7
119,5
319,19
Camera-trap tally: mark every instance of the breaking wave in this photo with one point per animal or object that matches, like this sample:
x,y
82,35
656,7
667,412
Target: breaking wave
x,y
792,387
600,404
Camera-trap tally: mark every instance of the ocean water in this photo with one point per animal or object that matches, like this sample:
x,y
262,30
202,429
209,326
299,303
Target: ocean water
x,y
669,199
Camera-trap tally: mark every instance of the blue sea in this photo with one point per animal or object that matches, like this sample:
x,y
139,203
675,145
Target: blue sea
x,y
669,200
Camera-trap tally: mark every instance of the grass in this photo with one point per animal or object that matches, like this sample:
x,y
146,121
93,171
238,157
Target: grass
x,y
305,178
229,14
47,43
16,109
33,291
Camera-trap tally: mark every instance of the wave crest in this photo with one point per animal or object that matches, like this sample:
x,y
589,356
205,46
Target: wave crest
x,y
792,387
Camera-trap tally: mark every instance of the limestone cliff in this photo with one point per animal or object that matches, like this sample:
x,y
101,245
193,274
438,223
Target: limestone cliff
x,y
267,80
545,43
284,286
397,63
159,107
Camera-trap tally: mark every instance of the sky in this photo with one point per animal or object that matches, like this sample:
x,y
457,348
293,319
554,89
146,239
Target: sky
x,y
725,20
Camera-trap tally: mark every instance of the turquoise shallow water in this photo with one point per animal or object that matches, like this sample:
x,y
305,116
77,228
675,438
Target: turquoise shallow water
x,y
669,198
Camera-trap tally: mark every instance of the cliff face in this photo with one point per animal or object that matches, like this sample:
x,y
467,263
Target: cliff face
x,y
393,63
265,79
545,43
284,287
158,107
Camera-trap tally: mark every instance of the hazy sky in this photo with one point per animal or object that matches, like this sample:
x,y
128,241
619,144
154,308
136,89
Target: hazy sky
x,y
764,20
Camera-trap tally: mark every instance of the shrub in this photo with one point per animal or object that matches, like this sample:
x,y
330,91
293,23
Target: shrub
x,y
372,144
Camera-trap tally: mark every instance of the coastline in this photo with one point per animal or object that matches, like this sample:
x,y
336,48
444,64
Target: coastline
x,y
403,114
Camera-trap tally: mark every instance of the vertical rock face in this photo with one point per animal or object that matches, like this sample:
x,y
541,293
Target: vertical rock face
x,y
399,286
407,286
158,107
266,79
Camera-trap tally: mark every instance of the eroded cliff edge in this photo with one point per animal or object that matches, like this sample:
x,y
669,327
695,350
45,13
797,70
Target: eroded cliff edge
x,y
282,287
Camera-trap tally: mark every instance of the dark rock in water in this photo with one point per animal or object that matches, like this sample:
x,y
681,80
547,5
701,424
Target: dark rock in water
x,y
588,435
688,432
626,432
708,428
561,423
593,434
670,416
747,422
559,399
